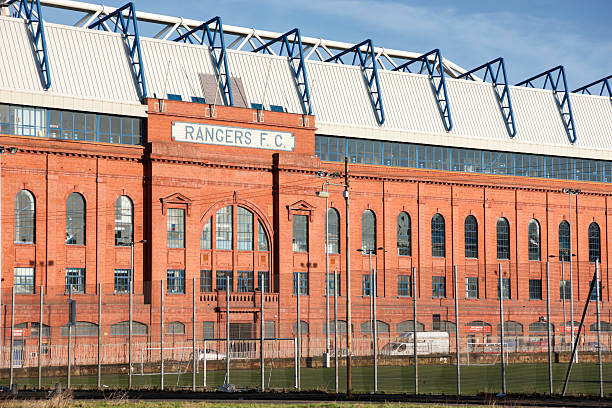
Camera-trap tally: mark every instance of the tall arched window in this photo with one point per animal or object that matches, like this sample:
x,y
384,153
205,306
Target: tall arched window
x,y
438,235
206,240
404,231
503,239
564,241
224,227
333,231
124,226
471,237
262,238
594,243
245,229
533,232
25,215
368,232
75,219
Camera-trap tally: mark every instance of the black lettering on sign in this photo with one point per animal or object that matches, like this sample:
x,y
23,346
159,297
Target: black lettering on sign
x,y
238,136
278,140
247,137
219,135
189,132
210,134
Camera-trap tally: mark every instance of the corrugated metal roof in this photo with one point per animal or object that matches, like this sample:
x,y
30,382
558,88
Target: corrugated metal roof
x,y
95,65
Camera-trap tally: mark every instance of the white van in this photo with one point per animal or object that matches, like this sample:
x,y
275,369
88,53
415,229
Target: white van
x,y
427,343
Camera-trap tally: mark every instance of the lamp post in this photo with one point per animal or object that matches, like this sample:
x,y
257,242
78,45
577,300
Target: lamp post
x,y
131,289
373,294
3,150
570,192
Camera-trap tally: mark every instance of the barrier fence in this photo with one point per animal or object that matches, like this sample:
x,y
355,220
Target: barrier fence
x,y
500,344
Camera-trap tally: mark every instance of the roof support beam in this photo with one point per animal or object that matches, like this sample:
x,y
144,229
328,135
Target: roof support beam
x,y
31,12
367,61
124,21
431,63
495,72
212,34
606,87
555,78
291,42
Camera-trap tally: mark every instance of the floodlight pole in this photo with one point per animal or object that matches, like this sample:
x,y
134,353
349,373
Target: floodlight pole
x,y
349,334
597,300
570,192
550,378
501,325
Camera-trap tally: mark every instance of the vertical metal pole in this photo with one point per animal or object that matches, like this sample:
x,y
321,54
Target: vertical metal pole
x,y
131,311
336,330
349,324
227,329
262,333
327,345
457,330
295,362
571,276
161,332
501,331
299,331
375,330
414,332
371,299
193,334
99,335
597,299
40,329
204,366
550,379
564,316
70,335
12,336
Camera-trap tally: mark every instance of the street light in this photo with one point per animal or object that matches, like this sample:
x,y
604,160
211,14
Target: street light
x,y
3,150
570,192
373,294
131,289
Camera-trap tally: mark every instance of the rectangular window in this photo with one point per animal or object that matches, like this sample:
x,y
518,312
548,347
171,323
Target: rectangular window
x,y
300,279
245,281
122,281
23,280
270,330
331,285
471,287
506,283
564,290
404,285
75,280
244,235
206,280
366,286
300,233
176,281
435,322
266,279
5,123
438,286
176,228
224,228
535,289
222,280
208,330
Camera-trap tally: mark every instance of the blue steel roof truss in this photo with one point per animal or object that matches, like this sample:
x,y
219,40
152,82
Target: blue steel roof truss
x,y
367,61
606,87
291,42
212,33
435,71
555,78
495,72
31,12
127,25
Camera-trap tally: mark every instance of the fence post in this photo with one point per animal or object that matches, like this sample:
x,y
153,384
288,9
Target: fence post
x,y
161,333
40,329
414,332
227,329
501,325
375,327
299,330
597,300
550,379
193,330
336,330
262,333
295,362
99,335
69,334
457,330
12,336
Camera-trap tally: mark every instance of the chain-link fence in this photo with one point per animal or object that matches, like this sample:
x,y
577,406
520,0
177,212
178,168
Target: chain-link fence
x,y
517,338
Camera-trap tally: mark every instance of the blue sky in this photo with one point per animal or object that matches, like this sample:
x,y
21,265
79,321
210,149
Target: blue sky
x,y
532,36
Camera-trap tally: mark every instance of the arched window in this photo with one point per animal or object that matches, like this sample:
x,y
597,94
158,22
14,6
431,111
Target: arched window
x,y
206,240
381,327
224,227
471,237
368,232
25,215
262,238
123,329
175,328
438,241
533,232
303,328
540,328
80,329
503,239
564,241
245,230
124,226
594,243
404,228
511,328
333,231
75,219
407,326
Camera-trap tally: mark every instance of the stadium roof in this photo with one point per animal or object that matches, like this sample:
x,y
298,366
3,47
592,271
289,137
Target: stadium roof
x,y
100,71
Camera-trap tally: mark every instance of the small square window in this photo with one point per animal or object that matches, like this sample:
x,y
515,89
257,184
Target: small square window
x,y
174,97
198,99
277,108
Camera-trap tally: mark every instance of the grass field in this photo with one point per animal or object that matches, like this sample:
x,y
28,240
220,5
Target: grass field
x,y
520,378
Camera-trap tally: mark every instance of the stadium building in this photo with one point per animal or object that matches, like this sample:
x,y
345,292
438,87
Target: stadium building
x,y
212,144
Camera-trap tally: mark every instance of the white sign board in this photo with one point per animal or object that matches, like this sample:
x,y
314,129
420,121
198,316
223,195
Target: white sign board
x,y
232,136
